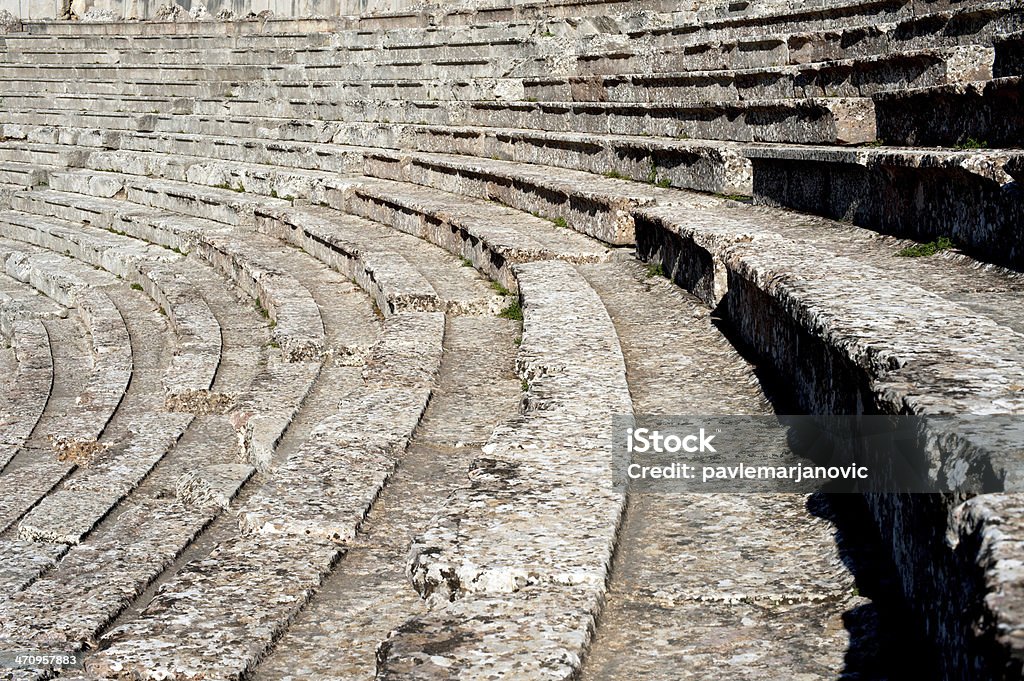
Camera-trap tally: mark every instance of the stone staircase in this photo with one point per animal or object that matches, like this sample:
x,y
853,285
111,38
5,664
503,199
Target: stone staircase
x,y
314,332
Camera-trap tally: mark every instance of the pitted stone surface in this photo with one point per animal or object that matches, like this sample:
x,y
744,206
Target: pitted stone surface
x,y
325,489
540,517
226,610
23,561
207,129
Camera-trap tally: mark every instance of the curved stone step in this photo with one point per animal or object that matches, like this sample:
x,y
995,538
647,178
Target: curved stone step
x,y
760,561
407,272
295,526
340,242
67,435
28,390
985,113
535,530
157,273
475,230
135,439
860,76
840,120
895,360
904,192
298,326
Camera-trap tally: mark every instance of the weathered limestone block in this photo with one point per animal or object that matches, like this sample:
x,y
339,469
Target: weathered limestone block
x,y
967,196
537,525
336,240
220,614
212,486
24,561
100,577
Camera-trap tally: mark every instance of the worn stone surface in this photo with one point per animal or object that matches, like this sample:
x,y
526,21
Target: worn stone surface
x,y
408,126
23,561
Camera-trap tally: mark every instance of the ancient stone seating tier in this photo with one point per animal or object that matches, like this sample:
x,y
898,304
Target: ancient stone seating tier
x,y
312,333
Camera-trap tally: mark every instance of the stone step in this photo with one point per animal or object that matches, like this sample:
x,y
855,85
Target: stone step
x,y
981,114
228,205
295,526
161,275
761,560
859,77
402,271
102,575
599,207
298,326
67,432
134,440
478,231
596,206
368,594
28,390
111,349
29,156
681,50
713,166
24,561
537,525
967,196
180,632
341,242
21,174
67,515
877,357
805,121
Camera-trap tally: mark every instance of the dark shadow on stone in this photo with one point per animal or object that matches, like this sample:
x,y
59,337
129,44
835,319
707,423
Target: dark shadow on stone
x,y
886,641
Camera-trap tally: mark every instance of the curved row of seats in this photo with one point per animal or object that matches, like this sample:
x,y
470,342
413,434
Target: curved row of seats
x,y
228,171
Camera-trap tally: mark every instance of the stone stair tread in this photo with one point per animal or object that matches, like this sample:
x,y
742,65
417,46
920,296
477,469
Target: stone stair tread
x,y
912,356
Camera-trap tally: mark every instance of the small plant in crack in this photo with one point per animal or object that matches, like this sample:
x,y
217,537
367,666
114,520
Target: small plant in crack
x,y
497,286
927,249
513,311
655,270
971,143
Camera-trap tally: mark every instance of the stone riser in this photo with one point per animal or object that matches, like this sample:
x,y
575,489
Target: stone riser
x,y
771,312
110,346
393,283
298,328
981,216
794,121
989,113
30,388
1009,57
855,79
197,357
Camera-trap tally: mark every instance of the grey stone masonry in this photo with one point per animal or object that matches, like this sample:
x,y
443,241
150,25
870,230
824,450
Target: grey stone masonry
x,y
156,272
312,334
895,361
536,526
23,402
985,113
968,195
